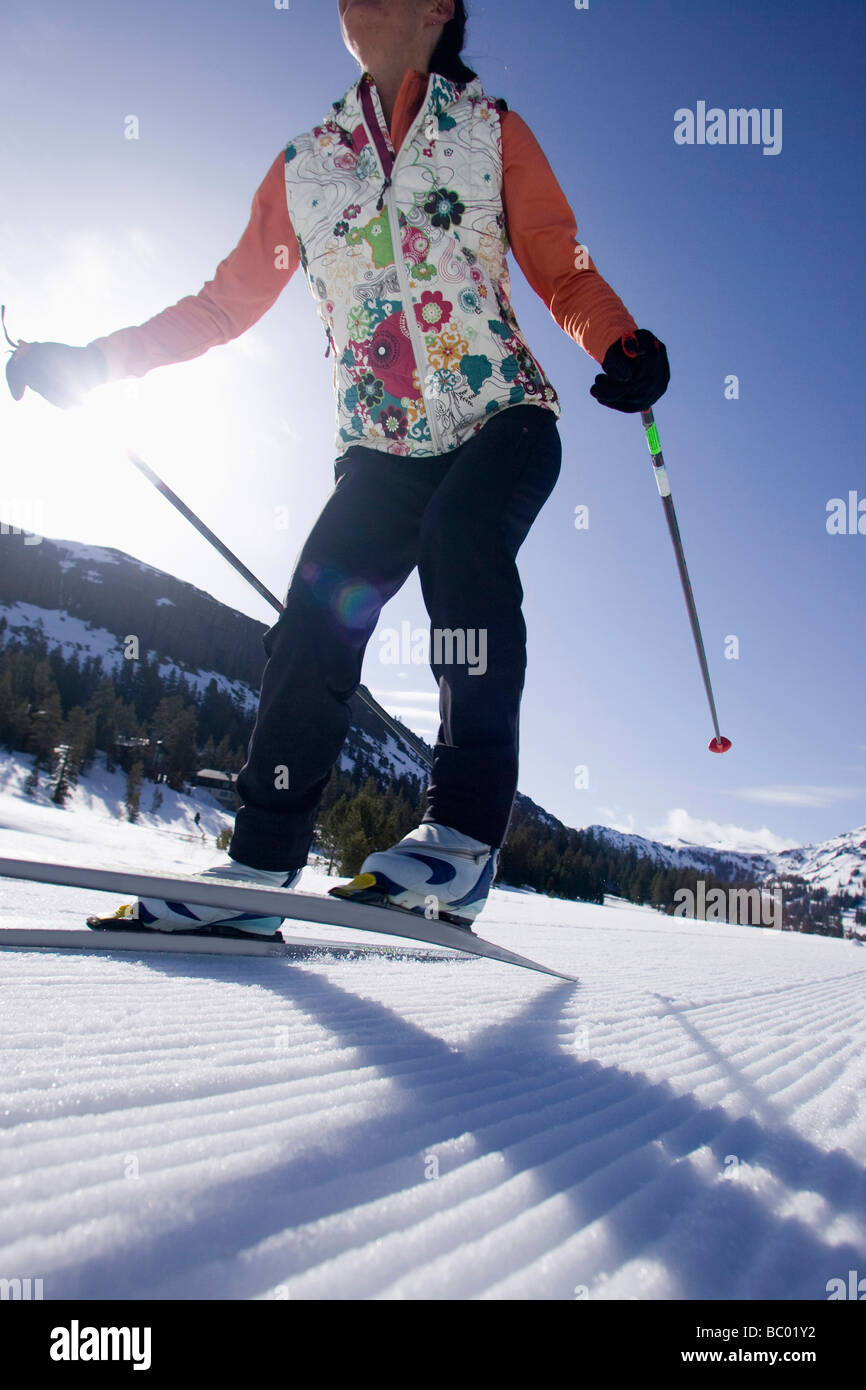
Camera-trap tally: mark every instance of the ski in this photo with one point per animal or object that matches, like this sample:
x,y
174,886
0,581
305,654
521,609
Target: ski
x,y
146,942
323,910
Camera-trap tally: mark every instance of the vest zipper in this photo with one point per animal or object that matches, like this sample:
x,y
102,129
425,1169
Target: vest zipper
x,y
417,341
415,338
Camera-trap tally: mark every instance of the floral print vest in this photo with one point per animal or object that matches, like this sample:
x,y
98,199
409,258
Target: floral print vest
x,y
406,259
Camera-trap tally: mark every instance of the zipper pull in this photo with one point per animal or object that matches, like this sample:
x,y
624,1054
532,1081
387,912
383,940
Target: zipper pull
x,y
385,186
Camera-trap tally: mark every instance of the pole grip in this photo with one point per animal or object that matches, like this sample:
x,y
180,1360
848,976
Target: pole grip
x,y
655,448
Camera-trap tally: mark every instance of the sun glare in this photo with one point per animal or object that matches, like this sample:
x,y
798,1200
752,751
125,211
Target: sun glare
x,y
72,475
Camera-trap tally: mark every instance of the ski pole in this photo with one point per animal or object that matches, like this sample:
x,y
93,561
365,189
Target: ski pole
x,y
719,744
204,530
363,693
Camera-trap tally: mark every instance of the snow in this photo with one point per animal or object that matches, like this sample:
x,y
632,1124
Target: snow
x,y
81,553
386,753
836,864
73,636
97,554
93,828
687,1123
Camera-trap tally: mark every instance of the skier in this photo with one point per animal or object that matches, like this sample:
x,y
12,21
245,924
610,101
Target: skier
x,y
400,207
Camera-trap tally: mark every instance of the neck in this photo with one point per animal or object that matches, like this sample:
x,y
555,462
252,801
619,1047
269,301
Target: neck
x,y
388,72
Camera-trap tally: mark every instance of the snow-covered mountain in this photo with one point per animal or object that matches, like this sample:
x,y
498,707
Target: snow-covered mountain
x,y
833,864
724,863
73,636
89,600
836,864
113,596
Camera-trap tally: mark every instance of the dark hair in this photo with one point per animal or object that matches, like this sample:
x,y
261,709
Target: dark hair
x,y
446,58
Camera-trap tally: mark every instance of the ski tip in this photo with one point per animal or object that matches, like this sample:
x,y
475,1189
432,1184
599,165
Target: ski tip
x,y
720,744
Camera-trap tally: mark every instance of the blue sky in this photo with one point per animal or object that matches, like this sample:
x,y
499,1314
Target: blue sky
x,y
743,263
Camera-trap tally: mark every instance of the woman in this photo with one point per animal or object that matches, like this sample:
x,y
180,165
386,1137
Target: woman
x,y
400,207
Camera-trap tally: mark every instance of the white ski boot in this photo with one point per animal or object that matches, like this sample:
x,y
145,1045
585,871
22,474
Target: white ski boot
x,y
159,914
435,871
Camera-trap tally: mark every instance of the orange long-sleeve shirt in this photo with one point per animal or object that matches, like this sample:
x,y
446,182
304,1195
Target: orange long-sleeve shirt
x,y
541,228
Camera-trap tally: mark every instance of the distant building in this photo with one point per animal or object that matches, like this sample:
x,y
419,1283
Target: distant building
x,y
219,784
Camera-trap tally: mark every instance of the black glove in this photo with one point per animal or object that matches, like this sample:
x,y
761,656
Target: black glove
x,y
636,373
59,373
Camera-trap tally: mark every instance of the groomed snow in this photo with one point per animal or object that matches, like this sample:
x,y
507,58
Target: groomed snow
x,y
687,1123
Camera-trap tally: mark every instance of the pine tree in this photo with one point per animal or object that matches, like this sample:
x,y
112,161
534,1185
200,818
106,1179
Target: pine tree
x,y
45,722
134,779
62,787
103,707
658,896
355,849
73,754
14,721
331,831
176,725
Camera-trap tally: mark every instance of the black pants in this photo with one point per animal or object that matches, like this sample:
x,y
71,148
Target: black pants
x,y
461,518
